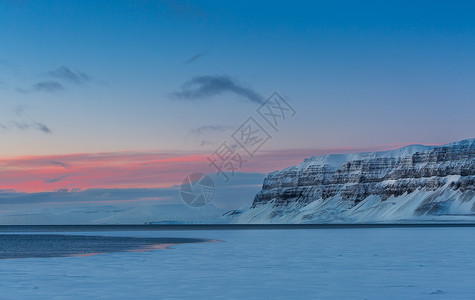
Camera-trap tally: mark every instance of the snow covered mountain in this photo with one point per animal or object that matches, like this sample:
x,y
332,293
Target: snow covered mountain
x,y
410,184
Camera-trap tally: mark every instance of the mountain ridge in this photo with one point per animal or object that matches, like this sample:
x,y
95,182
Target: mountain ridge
x,y
411,183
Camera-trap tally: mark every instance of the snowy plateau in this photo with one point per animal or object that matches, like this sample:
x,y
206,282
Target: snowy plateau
x,y
415,183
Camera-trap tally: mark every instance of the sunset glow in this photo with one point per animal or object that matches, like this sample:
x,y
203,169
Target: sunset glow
x,y
133,169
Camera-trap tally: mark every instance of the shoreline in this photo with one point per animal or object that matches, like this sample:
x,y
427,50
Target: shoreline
x,y
186,227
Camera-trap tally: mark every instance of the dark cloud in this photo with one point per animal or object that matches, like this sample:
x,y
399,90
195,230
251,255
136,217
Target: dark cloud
x,y
206,86
193,58
55,179
24,125
65,74
205,142
59,77
42,127
49,86
58,163
26,122
210,129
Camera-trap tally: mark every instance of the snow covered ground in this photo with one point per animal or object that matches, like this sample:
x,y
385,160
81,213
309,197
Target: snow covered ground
x,y
384,263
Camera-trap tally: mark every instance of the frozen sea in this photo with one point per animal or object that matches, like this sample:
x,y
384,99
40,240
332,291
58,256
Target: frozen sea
x,y
360,263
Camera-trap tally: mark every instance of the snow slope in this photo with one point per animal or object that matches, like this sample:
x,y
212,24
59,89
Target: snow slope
x,y
410,184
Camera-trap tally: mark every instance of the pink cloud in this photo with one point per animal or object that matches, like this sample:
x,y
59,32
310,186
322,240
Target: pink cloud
x,y
135,169
103,170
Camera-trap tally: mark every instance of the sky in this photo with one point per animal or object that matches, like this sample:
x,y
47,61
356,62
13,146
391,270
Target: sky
x,y
138,94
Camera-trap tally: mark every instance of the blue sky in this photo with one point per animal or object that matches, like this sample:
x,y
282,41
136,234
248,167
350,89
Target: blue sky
x,y
358,73
103,76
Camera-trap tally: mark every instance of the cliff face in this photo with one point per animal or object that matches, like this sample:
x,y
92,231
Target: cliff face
x,y
412,183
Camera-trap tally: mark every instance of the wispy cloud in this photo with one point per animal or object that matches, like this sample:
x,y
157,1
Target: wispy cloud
x,y
201,87
49,86
203,132
56,179
194,58
25,122
20,125
66,74
57,80
58,163
205,143
207,129
20,110
42,127
24,125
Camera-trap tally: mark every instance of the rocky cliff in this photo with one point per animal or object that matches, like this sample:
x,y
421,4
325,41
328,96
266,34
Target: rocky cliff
x,y
414,183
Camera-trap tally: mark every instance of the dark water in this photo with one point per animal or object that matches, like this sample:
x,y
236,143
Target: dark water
x,y
59,245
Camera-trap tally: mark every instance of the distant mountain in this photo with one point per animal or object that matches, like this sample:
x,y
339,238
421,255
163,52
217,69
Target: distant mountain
x,y
127,206
410,184
114,214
